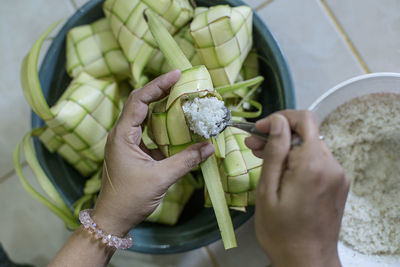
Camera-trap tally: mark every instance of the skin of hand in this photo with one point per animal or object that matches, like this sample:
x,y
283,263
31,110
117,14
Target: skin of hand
x,y
139,181
301,193
139,178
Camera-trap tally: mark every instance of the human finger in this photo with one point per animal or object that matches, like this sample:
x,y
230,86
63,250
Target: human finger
x,y
303,122
136,107
275,154
183,162
256,145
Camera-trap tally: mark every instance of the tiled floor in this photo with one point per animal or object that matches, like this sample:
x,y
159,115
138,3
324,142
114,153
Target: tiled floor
x,y
325,42
380,52
316,52
29,232
21,22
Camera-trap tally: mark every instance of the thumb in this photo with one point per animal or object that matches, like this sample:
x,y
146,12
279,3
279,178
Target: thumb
x,y
275,153
183,162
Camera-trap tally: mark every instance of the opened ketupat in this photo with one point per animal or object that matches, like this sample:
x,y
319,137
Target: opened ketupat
x,y
118,50
223,37
171,127
65,131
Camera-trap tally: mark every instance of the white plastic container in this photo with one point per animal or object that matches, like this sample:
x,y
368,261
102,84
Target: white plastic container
x,y
381,82
355,87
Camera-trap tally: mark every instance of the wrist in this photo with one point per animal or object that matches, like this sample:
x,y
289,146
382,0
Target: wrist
x,y
107,238
116,217
110,223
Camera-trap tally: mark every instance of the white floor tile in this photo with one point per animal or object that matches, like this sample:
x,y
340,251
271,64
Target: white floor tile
x,y
29,232
21,22
255,3
248,253
194,258
317,54
373,27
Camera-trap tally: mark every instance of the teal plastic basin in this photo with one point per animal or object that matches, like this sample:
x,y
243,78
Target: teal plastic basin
x,y
197,226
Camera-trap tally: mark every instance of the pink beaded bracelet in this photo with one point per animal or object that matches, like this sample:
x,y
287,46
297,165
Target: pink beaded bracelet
x,y
107,239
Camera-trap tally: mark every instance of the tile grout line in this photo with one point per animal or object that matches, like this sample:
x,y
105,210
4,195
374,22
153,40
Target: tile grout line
x,y
346,37
211,256
11,173
261,6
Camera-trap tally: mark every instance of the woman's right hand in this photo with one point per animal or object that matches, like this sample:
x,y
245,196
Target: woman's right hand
x,y
301,193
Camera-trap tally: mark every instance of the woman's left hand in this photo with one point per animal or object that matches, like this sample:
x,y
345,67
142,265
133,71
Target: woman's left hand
x,y
138,180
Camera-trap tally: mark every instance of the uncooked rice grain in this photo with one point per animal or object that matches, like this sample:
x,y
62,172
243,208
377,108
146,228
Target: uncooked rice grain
x,y
364,136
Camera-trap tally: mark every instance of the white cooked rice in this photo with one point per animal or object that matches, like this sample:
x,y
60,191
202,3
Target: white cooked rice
x,y
204,115
364,136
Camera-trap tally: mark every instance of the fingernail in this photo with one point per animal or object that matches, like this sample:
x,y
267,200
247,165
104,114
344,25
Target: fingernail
x,y
276,125
206,150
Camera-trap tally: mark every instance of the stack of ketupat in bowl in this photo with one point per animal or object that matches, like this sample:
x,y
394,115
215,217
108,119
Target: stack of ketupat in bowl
x,y
121,52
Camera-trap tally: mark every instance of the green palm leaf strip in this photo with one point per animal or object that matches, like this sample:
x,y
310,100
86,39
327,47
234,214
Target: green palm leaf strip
x,y
247,83
30,79
56,204
209,167
253,84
